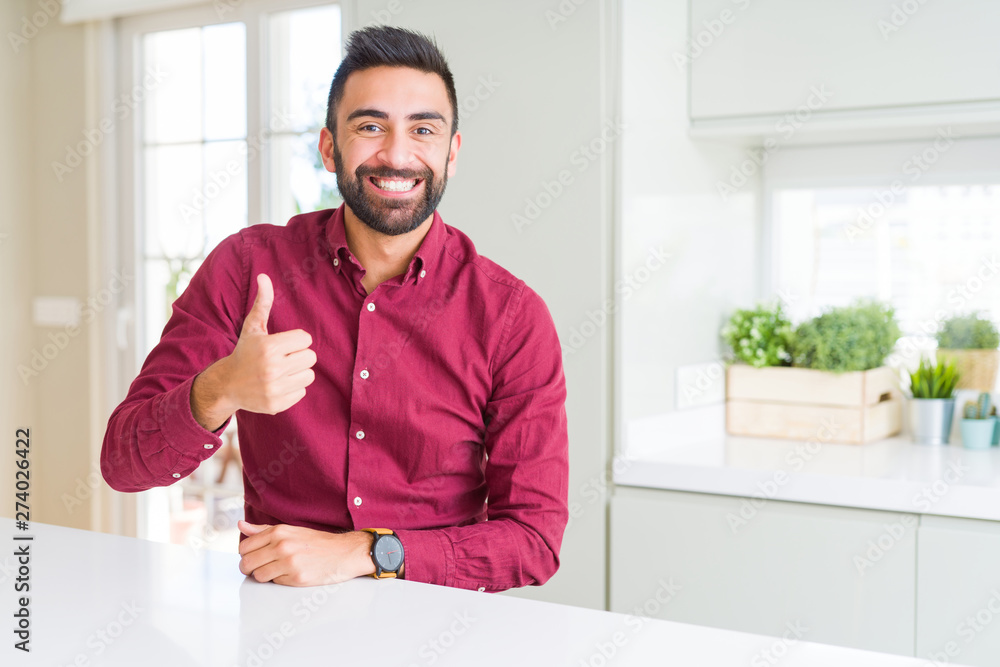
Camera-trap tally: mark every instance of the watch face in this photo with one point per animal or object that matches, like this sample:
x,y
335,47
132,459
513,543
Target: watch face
x,y
389,552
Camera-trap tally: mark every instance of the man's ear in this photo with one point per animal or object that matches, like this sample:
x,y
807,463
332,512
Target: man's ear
x,y
456,143
326,150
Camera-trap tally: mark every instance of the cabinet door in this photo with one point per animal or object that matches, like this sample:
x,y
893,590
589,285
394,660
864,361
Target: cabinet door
x,y
958,591
749,57
845,576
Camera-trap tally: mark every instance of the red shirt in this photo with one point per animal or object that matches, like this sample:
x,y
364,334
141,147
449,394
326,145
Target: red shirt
x,y
440,389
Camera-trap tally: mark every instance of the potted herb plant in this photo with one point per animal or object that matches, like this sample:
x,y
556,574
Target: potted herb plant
x,y
836,388
933,405
760,337
970,342
978,423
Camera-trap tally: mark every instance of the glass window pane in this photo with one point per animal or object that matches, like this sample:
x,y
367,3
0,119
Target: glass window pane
x,y
299,182
225,190
925,250
173,204
225,81
304,54
173,107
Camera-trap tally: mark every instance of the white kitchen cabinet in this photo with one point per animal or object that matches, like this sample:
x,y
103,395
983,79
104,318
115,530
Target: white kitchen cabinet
x,y
958,591
751,59
833,575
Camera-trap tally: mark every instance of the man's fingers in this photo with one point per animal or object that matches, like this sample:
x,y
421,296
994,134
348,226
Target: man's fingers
x,y
300,361
287,342
256,320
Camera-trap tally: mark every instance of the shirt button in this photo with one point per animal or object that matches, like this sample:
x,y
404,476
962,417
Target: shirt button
x,y
371,307
423,272
482,589
209,446
357,501
336,262
364,375
177,475
361,435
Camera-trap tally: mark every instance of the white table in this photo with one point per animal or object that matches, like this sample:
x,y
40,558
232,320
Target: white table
x,y
106,600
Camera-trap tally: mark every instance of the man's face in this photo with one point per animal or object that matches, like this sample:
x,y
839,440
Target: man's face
x,y
393,152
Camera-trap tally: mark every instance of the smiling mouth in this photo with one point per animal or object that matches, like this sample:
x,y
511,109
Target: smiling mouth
x,y
394,184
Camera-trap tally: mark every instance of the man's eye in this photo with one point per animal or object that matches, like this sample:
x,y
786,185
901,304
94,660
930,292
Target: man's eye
x,y
369,127
424,130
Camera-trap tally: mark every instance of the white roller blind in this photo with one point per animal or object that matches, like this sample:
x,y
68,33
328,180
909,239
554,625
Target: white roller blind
x,y
75,11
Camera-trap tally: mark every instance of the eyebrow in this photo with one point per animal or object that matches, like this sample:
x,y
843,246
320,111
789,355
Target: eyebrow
x,y
376,113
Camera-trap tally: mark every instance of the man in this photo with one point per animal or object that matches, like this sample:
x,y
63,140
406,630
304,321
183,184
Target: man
x,y
389,380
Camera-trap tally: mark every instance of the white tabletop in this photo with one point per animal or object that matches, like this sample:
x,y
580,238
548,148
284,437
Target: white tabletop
x,y
105,600
692,453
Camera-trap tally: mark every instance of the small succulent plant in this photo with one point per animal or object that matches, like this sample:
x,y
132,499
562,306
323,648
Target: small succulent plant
x,y
934,381
979,409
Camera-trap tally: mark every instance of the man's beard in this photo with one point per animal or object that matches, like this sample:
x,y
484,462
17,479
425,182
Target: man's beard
x,y
389,216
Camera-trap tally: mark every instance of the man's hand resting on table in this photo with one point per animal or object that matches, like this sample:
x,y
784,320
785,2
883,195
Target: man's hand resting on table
x,y
266,373
296,556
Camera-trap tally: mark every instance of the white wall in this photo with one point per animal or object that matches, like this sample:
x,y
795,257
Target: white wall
x,y
554,94
670,200
16,238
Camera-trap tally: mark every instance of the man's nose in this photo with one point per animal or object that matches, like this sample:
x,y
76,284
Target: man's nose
x,y
396,151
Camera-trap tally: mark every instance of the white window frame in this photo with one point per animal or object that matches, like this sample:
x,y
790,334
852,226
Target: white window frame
x,y
129,205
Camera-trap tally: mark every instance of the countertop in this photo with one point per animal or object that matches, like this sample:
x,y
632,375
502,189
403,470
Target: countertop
x,y
106,600
690,451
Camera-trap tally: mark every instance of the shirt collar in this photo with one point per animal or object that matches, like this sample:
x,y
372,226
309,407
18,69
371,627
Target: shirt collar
x,y
424,261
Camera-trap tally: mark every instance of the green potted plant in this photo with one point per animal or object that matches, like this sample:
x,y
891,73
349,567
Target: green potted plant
x,y
932,407
851,338
970,342
978,424
793,382
759,337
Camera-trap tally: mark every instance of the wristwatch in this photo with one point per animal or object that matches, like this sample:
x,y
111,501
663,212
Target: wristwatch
x,y
386,553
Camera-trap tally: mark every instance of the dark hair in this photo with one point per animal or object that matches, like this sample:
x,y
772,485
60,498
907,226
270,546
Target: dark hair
x,y
386,46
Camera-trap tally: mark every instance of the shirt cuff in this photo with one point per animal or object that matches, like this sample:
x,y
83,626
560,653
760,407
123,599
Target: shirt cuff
x,y
182,432
428,556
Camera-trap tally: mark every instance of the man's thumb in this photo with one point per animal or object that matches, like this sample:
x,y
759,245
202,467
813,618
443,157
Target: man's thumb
x,y
256,320
249,529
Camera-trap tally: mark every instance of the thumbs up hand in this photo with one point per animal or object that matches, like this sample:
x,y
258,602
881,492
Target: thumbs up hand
x,y
266,373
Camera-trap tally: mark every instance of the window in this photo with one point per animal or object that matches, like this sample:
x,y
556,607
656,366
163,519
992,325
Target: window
x,y
225,136
914,225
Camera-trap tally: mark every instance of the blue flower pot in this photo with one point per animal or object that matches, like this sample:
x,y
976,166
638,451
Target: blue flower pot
x,y
978,433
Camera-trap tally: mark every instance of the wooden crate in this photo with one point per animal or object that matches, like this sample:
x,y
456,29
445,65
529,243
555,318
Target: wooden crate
x,y
803,404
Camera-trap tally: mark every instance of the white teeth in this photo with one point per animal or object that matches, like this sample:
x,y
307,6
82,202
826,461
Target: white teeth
x,y
396,186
